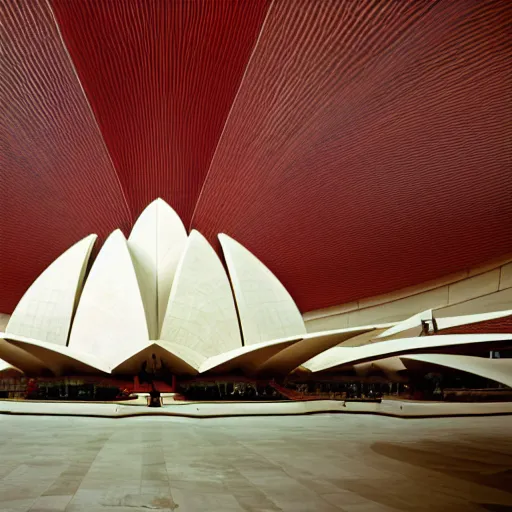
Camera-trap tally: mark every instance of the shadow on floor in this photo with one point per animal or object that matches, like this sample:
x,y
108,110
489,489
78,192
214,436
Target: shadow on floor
x,y
478,466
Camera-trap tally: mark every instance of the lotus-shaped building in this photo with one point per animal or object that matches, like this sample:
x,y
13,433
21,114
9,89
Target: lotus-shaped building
x,y
165,294
160,292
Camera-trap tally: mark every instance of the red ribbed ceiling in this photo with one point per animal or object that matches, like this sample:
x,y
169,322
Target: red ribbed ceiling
x,y
57,182
161,77
369,147
354,147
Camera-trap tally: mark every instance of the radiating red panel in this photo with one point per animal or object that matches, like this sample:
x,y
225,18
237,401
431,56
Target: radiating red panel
x,y
161,77
369,146
57,183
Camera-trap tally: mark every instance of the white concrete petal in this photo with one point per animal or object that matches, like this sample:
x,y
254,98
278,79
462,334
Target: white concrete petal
x,y
19,358
365,338
455,321
178,359
389,365
46,309
266,309
338,356
156,244
410,327
201,313
58,359
499,370
110,320
4,365
312,344
248,358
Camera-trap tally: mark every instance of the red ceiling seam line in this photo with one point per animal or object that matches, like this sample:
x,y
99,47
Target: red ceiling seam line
x,y
93,114
161,77
269,10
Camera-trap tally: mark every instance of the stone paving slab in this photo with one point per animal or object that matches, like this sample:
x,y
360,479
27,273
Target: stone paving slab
x,y
319,463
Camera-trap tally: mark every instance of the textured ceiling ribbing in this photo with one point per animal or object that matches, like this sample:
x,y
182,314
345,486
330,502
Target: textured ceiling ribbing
x,y
161,77
57,183
369,146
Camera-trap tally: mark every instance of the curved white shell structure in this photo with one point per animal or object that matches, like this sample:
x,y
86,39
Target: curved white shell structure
x,y
110,318
46,309
201,313
267,311
156,244
166,296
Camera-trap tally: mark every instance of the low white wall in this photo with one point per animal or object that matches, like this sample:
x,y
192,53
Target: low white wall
x,y
397,408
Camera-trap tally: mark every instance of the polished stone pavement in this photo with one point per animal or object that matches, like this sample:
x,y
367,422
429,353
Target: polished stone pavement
x,y
355,463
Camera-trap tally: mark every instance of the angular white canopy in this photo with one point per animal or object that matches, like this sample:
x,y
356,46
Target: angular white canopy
x,y
339,356
499,370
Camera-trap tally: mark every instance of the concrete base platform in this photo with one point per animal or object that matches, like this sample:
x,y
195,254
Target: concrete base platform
x,y
395,408
316,463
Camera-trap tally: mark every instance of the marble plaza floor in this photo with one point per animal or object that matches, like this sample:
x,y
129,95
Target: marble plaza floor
x,y
314,463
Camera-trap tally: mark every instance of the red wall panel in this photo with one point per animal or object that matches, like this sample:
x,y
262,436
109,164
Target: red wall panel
x,y
369,146
57,183
161,77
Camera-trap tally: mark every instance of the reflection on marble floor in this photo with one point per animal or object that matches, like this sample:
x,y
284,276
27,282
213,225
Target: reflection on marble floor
x,y
257,464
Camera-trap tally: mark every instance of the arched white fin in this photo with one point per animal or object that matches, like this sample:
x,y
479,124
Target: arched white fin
x,y
311,345
499,370
456,321
60,360
156,244
338,356
247,358
409,327
110,320
45,311
266,309
201,313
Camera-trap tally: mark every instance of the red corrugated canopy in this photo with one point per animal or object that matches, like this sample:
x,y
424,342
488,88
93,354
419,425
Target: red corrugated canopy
x,y
354,147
